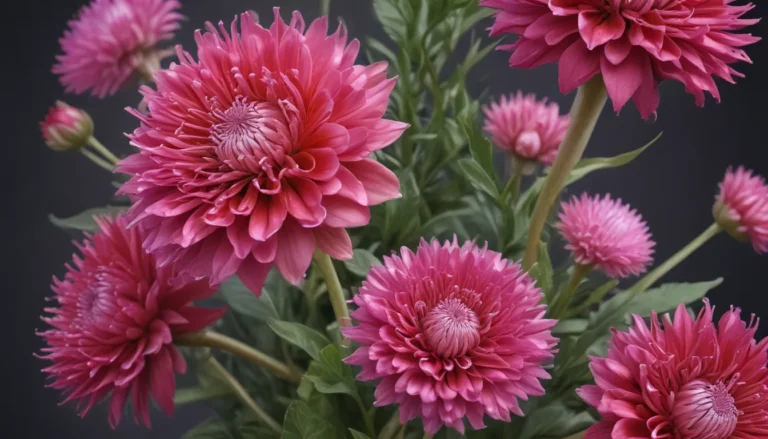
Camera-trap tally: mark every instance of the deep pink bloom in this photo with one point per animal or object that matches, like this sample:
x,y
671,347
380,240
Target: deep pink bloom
x,y
687,379
634,44
66,128
259,152
111,43
530,130
451,332
113,326
607,234
742,207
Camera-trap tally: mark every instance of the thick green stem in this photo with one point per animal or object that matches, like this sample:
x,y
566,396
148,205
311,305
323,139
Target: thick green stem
x,y
560,307
325,7
242,395
103,150
657,273
335,292
589,102
215,340
100,162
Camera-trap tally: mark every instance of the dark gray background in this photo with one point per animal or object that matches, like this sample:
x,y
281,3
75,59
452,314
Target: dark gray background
x,y
672,185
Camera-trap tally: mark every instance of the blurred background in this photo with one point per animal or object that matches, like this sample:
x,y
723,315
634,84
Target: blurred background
x,y
672,184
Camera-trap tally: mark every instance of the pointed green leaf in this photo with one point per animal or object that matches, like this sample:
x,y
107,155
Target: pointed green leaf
x,y
243,301
589,165
330,374
302,422
195,394
357,435
361,262
304,337
475,173
479,146
84,221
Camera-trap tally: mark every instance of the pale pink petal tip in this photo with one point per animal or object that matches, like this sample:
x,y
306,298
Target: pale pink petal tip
x,y
451,333
682,378
606,234
271,157
741,207
634,44
115,316
112,43
529,129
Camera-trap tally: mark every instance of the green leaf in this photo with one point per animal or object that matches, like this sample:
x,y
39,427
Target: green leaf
x,y
357,435
545,272
594,297
475,173
555,420
304,337
479,146
214,428
391,19
330,374
303,422
84,221
361,262
195,394
243,301
587,166
570,326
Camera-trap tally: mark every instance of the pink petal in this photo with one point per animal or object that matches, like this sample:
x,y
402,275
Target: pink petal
x,y
296,245
253,274
345,213
577,65
333,241
380,183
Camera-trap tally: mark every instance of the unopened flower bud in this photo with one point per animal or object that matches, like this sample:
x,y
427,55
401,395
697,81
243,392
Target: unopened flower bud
x,y
741,208
66,128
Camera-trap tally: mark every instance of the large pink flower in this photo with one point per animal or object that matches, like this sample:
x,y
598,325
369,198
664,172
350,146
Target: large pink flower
x,y
113,42
259,152
634,44
116,316
742,207
607,234
529,129
687,379
451,332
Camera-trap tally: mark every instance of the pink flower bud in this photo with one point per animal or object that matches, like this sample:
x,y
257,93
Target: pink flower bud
x,y
66,128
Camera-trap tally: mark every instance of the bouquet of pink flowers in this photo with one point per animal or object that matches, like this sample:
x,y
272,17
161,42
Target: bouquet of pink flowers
x,y
322,233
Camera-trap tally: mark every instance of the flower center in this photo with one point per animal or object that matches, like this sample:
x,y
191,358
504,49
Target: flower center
x,y
251,135
705,411
528,144
451,328
92,302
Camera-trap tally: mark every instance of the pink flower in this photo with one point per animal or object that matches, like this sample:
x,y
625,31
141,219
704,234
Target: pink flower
x,y
687,379
112,43
741,208
116,316
259,152
451,332
530,130
607,234
634,44
66,128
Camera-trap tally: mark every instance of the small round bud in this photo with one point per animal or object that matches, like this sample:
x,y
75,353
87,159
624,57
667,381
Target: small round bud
x,y
741,207
66,128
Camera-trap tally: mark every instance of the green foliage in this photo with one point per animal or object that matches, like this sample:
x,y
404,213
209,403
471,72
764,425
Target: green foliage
x,y
361,262
84,221
330,375
304,337
305,422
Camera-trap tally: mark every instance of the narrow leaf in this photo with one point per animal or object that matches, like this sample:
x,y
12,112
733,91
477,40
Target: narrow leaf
x,y
304,337
475,173
84,221
330,374
361,262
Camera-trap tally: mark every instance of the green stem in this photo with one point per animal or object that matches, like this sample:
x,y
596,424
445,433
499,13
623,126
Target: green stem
x,y
651,278
560,307
428,435
242,395
589,102
100,162
367,418
512,189
335,292
103,150
325,8
215,340
194,394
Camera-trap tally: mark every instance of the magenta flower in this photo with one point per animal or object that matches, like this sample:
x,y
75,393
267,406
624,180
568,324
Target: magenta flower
x,y
607,234
451,332
633,44
687,379
66,128
111,43
259,153
530,130
116,316
741,208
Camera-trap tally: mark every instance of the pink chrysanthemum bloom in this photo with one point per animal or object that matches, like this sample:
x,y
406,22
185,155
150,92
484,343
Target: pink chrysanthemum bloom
x,y
634,44
66,128
687,379
741,208
607,234
451,332
116,316
528,129
112,43
259,152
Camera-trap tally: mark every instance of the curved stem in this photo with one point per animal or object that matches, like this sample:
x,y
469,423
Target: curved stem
x,y
100,162
242,395
589,102
560,307
335,292
651,278
215,340
103,150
